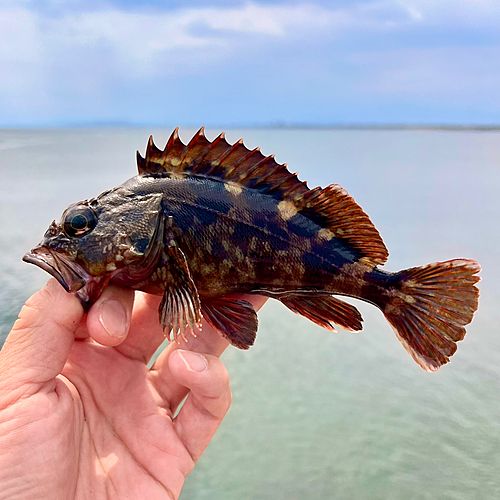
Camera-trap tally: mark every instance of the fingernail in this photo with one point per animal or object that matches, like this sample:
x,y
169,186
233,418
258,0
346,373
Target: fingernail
x,y
114,318
194,362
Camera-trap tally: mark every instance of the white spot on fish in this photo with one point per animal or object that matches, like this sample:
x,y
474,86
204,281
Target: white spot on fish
x,y
239,254
111,267
234,189
287,209
325,234
207,269
176,175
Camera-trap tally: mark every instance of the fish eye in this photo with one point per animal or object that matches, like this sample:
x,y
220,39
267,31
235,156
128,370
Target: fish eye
x,y
79,221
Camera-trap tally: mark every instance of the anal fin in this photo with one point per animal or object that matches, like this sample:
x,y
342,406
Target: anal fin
x,y
324,310
235,319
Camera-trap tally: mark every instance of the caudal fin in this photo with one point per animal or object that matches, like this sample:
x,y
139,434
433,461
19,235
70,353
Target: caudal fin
x,y
430,306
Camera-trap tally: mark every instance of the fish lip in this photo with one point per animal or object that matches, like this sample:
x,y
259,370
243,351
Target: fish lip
x,y
69,274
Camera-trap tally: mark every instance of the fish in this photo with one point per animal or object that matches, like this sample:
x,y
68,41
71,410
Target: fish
x,y
206,222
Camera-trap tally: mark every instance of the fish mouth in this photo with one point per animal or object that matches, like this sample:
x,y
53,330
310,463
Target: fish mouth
x,y
69,274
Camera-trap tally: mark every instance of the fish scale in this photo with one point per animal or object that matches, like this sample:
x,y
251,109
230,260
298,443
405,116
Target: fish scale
x,y
208,220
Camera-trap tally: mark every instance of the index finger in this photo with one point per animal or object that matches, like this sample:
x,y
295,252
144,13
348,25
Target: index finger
x,y
209,341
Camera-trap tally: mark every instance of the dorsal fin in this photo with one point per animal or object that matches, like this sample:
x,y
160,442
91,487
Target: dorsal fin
x,y
331,208
221,160
335,210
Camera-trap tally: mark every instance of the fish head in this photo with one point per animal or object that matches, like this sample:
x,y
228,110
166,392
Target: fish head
x,y
117,237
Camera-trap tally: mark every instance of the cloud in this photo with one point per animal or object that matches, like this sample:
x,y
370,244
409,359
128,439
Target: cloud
x,y
50,56
60,60
455,13
442,73
144,36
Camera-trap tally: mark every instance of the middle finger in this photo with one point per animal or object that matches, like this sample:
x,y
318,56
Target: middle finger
x,y
208,341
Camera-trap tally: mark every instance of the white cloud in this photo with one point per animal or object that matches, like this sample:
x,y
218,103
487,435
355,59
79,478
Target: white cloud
x,y
49,58
141,35
21,57
468,75
18,35
461,12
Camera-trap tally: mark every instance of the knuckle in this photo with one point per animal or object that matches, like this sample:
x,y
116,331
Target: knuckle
x,y
224,377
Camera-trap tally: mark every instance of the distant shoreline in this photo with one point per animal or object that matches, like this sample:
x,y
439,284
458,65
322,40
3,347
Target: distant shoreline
x,y
388,126
274,126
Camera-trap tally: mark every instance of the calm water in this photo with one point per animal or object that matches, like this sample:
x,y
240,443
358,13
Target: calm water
x,y
316,414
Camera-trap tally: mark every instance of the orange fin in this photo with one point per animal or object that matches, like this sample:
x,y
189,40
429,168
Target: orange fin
x,y
221,160
325,311
430,308
235,319
333,209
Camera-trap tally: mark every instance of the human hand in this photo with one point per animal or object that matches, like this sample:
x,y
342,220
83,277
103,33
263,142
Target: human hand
x,y
82,420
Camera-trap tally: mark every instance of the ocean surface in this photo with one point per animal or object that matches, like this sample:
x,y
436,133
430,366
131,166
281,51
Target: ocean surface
x,y
319,415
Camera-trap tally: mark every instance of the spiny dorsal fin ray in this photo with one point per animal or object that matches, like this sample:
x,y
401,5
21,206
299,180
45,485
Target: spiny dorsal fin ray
x,y
331,208
219,159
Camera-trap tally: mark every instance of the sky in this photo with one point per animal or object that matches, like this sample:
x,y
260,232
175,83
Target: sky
x,y
249,63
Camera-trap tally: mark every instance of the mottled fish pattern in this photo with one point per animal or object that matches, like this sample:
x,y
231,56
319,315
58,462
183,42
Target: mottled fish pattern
x,y
208,220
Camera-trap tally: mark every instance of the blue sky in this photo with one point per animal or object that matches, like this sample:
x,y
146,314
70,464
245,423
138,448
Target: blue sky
x,y
230,63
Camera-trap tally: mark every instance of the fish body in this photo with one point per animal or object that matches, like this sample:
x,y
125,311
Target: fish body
x,y
205,221
238,240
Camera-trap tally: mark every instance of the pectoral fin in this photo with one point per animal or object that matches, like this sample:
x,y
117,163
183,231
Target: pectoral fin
x,y
180,307
324,310
234,319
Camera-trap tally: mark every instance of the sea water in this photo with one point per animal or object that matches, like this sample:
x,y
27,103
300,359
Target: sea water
x,y
317,414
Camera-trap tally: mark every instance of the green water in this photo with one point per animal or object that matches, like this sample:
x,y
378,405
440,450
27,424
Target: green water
x,y
316,414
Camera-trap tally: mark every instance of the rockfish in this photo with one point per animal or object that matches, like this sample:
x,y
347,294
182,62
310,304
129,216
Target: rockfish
x,y
208,220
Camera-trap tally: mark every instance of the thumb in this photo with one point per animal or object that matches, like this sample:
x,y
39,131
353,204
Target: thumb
x,y
41,339
108,320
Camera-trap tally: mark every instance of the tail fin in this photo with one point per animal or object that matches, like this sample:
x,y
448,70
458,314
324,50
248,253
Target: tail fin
x,y
430,306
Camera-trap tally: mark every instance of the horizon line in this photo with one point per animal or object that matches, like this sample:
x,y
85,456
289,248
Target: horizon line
x,y
271,125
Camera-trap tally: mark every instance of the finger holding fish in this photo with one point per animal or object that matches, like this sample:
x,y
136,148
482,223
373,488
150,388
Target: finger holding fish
x,y
109,319
208,341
